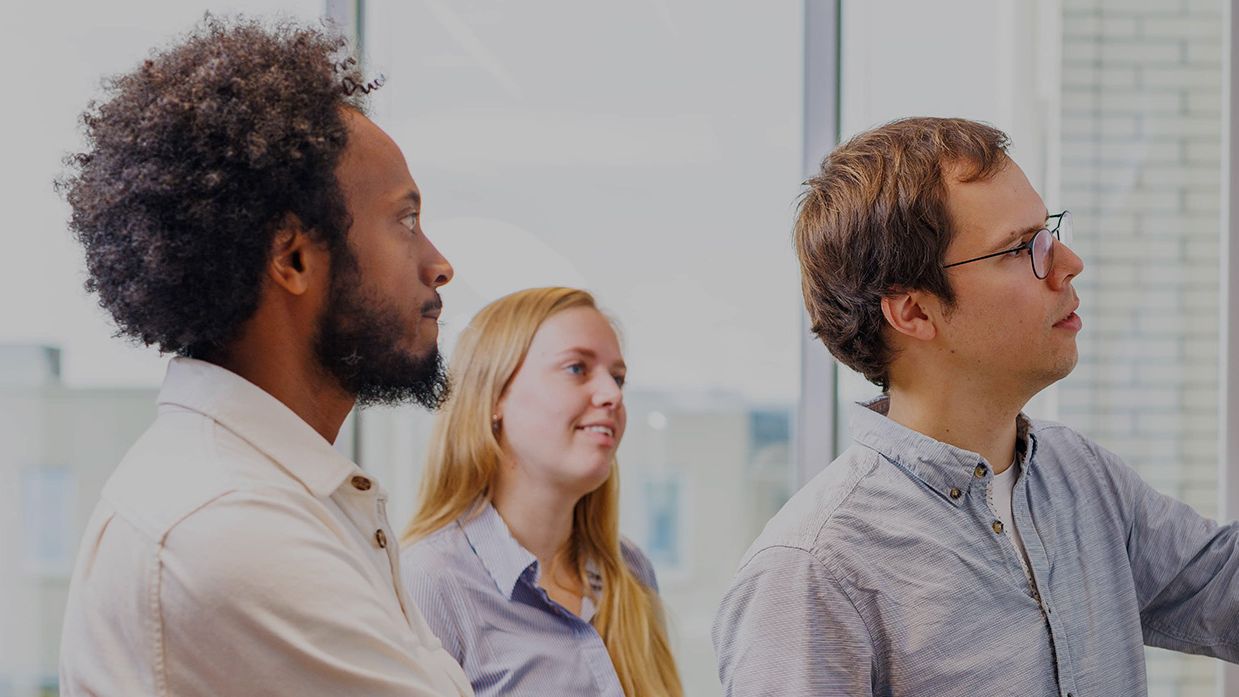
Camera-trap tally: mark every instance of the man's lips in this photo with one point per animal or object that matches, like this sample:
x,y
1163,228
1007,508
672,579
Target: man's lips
x,y
1072,321
432,308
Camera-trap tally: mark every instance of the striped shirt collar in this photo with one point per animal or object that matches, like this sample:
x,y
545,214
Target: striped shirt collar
x,y
507,561
504,558
940,466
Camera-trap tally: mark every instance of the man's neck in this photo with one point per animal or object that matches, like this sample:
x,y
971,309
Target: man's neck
x,y
984,426
299,385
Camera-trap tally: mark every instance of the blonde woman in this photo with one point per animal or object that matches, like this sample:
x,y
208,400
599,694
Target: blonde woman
x,y
514,554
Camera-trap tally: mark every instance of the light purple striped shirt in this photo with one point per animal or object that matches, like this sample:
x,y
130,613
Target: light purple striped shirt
x,y
890,574
477,587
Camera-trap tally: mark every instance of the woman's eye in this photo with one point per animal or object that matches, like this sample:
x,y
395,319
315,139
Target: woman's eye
x,y
619,380
409,221
576,368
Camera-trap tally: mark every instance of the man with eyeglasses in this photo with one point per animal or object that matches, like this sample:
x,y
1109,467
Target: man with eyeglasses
x,y
958,547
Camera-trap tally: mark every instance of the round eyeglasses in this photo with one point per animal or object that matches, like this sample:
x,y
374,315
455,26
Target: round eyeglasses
x,y
1040,247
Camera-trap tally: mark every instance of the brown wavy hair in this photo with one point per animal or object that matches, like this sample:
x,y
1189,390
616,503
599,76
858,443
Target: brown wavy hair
x,y
874,221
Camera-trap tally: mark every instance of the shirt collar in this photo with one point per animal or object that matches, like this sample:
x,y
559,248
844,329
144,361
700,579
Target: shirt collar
x,y
504,558
940,466
260,419
594,580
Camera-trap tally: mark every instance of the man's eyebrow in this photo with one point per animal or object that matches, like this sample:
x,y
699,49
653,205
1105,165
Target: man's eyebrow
x,y
1013,238
413,196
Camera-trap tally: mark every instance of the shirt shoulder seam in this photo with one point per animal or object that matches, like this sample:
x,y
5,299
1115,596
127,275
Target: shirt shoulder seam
x,y
807,542
856,479
830,576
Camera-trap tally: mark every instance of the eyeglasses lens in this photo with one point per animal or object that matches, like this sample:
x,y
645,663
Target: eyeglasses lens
x,y
1042,253
1064,228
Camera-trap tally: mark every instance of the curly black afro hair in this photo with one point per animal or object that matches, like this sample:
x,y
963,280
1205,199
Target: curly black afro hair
x,y
194,161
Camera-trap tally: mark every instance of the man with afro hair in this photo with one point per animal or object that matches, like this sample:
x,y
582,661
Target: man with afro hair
x,y
238,210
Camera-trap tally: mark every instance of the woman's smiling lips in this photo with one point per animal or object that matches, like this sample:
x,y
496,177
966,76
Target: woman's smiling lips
x,y
602,432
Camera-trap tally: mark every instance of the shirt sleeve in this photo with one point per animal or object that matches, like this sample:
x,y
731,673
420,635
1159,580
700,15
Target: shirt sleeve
x,y
1185,567
787,629
258,596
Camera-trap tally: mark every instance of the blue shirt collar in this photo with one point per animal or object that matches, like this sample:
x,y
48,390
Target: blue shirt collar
x,y
507,561
940,466
504,558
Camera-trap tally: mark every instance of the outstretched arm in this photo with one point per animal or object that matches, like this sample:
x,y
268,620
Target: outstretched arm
x,y
1185,567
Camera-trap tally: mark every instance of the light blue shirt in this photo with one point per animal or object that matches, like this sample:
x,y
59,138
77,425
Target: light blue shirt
x,y
889,574
477,587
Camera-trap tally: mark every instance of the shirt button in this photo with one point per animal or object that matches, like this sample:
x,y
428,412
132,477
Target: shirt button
x,y
997,526
956,493
380,538
979,471
360,483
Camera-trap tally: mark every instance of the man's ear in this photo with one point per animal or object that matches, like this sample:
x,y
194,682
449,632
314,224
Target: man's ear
x,y
906,313
295,257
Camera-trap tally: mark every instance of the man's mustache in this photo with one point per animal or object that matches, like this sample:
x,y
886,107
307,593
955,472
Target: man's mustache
x,y
434,305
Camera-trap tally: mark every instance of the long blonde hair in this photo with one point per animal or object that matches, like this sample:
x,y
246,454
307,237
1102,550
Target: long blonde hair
x,y
463,466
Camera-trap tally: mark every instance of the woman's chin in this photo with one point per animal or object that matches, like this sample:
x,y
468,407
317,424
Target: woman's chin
x,y
591,476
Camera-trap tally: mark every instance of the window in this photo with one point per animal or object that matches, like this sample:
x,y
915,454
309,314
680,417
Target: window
x,y
1141,153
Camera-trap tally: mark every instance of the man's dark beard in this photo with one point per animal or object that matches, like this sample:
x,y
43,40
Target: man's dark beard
x,y
358,342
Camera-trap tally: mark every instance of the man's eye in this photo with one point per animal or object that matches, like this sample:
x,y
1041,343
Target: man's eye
x,y
619,380
1026,247
409,221
575,368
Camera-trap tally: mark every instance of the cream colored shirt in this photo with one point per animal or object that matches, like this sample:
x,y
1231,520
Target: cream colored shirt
x,y
235,552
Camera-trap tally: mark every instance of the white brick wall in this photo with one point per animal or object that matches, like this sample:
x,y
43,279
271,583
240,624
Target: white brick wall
x,y
1141,172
